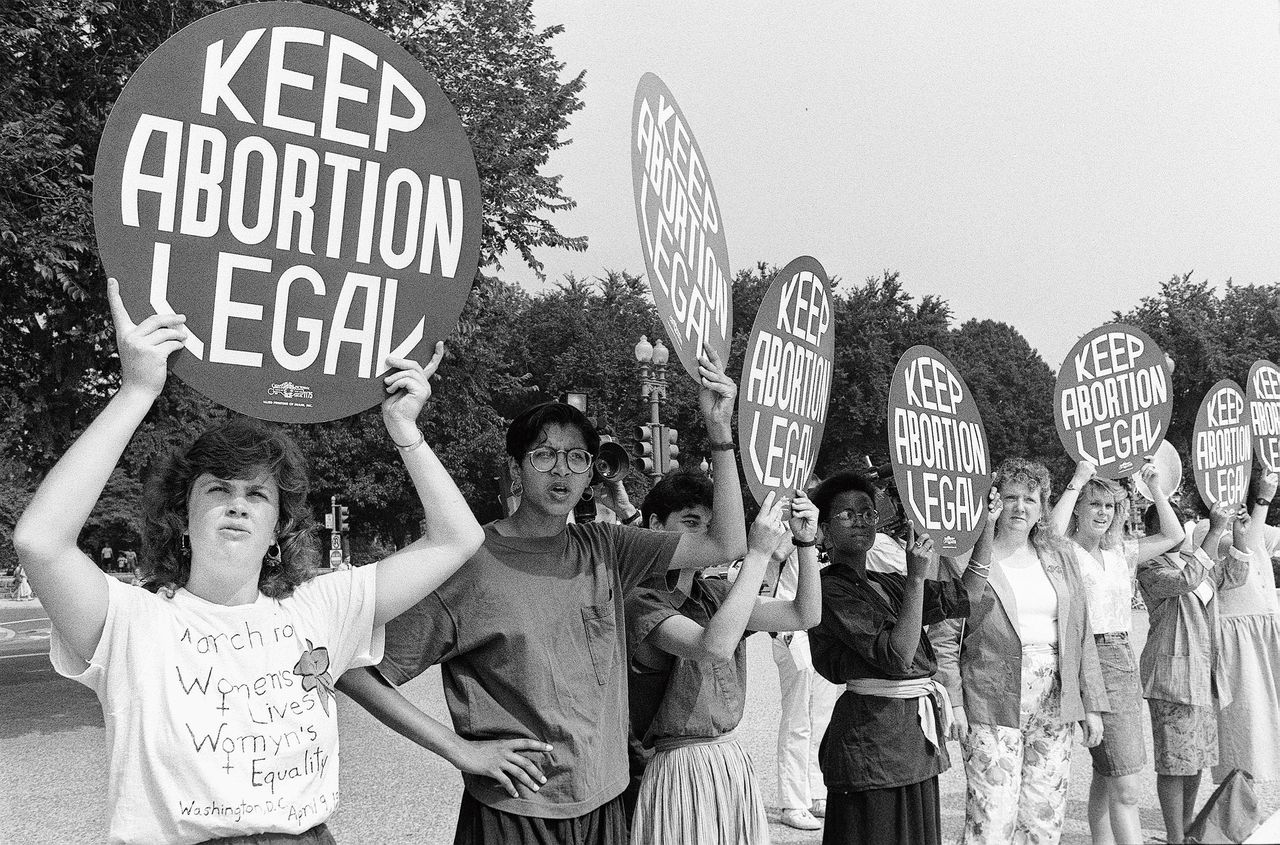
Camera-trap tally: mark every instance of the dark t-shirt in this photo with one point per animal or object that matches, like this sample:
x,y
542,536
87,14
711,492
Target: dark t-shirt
x,y
874,742
680,699
529,635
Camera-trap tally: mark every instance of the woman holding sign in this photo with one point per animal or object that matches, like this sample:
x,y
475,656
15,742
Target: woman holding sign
x,y
886,744
1248,669
688,681
1182,590
216,681
530,636
1025,669
1092,512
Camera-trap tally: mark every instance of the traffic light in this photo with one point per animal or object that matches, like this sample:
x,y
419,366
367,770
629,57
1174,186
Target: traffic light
x,y
343,522
646,457
670,451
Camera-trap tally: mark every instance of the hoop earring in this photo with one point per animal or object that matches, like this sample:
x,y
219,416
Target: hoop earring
x,y
184,545
517,486
272,560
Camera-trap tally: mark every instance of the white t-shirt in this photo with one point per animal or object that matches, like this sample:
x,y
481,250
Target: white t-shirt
x,y
221,721
1037,600
1108,586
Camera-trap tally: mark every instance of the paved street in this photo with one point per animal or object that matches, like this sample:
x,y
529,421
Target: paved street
x,y
54,772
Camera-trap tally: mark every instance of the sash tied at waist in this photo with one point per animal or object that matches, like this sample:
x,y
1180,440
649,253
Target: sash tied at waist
x,y
929,692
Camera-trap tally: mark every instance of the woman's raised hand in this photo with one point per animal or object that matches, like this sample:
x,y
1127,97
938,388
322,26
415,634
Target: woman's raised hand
x,y
769,527
717,395
919,552
408,389
804,518
144,347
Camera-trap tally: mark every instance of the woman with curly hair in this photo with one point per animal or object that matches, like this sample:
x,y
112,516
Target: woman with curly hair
x,y
217,680
1021,670
1092,512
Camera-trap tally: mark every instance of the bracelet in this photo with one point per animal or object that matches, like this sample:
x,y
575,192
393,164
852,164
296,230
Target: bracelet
x,y
633,519
803,544
1262,503
723,447
414,445
1072,486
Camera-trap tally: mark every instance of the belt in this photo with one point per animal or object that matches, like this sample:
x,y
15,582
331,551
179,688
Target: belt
x,y
929,692
1112,637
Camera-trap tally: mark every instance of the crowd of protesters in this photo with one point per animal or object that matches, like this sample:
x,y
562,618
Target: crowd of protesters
x,y
560,640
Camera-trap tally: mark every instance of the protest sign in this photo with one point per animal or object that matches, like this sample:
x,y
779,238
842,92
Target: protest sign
x,y
786,380
938,448
1263,395
1222,445
681,231
296,184
1113,399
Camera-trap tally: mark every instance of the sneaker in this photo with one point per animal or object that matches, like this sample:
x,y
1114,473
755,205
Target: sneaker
x,y
819,808
800,819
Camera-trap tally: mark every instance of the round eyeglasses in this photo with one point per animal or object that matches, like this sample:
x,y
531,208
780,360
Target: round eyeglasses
x,y
849,516
544,458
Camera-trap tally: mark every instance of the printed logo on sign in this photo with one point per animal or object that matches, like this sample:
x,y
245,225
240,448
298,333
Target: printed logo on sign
x,y
289,390
1114,399
681,234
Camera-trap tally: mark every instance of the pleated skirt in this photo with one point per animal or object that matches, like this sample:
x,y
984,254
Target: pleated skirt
x,y
705,794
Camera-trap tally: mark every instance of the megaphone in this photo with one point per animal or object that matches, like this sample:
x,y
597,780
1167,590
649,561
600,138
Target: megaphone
x,y
612,461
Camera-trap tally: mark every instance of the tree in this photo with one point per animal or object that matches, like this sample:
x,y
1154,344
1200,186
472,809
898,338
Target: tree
x,y
1209,336
64,62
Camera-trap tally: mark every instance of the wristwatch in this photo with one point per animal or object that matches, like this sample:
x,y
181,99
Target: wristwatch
x,y
1262,503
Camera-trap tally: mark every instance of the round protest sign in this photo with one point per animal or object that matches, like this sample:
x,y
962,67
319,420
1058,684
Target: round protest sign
x,y
1263,395
786,380
1222,445
1113,399
681,231
938,447
296,184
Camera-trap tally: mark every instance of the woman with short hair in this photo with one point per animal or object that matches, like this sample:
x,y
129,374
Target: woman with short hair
x,y
216,676
1022,672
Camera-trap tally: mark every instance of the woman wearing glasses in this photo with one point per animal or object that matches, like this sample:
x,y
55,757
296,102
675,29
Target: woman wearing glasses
x,y
531,641
886,744
1024,671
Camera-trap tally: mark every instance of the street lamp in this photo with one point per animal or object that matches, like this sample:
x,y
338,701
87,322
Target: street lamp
x,y
655,442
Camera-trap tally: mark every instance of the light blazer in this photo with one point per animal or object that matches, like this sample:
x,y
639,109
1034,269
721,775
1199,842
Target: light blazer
x,y
980,658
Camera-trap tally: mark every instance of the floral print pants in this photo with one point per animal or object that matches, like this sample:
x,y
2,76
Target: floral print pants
x,y
1017,790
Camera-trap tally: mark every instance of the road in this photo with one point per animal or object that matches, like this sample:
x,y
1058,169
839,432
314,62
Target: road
x,y
53,779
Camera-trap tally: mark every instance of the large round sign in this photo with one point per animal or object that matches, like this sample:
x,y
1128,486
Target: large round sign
x,y
1113,399
941,463
681,231
1222,445
1263,395
786,380
297,185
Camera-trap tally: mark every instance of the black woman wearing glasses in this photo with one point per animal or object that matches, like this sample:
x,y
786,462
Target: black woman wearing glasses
x,y
531,643
886,744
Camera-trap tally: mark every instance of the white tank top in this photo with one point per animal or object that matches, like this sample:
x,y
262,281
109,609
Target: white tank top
x,y
1037,616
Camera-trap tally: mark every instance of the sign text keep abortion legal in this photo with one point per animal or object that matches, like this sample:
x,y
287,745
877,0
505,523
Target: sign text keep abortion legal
x,y
680,227
285,182
938,449
1113,399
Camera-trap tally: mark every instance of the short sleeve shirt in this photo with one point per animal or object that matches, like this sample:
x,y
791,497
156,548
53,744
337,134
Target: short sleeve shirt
x,y
221,721
1109,586
530,637
680,699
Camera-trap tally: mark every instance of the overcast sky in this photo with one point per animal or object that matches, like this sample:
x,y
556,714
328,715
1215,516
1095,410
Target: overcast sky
x,y
1041,164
